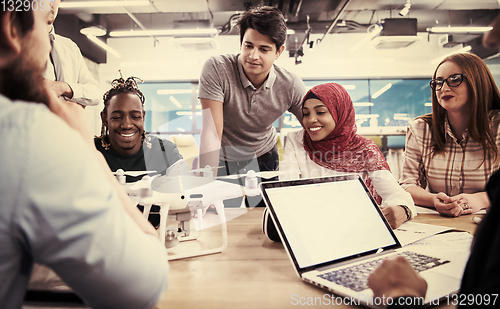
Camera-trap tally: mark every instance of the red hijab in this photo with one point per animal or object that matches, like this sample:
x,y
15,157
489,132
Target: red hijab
x,y
343,149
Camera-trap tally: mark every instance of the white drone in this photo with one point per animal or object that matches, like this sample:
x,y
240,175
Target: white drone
x,y
180,193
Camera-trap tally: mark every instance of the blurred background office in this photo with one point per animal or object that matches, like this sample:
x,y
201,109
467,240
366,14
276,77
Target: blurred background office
x,y
382,51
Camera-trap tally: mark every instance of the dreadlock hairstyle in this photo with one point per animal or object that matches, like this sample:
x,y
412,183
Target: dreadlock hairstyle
x,y
120,85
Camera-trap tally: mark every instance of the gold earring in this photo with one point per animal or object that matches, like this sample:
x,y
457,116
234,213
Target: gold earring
x,y
104,134
147,140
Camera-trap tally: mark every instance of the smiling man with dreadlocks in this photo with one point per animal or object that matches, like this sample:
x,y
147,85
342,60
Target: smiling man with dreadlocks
x,y
123,141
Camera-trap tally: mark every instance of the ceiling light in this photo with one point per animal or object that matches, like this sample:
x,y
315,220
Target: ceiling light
x,y
187,113
382,90
349,87
103,45
174,91
95,4
164,32
362,104
346,87
373,30
176,103
93,30
195,43
459,29
366,116
393,42
358,61
406,9
401,117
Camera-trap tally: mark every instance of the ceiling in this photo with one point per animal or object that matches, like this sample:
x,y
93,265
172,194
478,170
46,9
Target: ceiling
x,y
319,16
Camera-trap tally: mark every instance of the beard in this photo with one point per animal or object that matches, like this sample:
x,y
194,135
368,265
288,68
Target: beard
x,y
23,80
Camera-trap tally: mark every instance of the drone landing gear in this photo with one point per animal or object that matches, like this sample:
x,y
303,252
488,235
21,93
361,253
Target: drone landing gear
x,y
199,226
172,237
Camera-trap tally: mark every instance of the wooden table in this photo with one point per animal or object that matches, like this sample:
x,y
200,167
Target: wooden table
x,y
253,272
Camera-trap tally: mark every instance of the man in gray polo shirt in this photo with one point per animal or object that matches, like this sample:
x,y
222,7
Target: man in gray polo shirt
x,y
243,94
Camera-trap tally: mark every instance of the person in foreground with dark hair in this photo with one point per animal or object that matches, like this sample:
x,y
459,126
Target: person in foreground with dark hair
x,y
451,153
395,278
61,206
243,94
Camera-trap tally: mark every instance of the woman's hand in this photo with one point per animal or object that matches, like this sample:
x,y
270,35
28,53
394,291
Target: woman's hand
x,y
445,205
471,203
395,215
461,204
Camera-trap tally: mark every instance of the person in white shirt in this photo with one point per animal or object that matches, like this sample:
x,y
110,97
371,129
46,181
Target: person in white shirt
x,y
61,206
329,145
66,72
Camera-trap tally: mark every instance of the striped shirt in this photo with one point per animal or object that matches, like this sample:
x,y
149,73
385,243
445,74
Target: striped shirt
x,y
460,169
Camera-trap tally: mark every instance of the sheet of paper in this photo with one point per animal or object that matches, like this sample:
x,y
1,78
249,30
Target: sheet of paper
x,y
425,210
452,246
412,231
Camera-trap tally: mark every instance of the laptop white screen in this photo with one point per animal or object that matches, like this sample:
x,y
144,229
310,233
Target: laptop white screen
x,y
328,221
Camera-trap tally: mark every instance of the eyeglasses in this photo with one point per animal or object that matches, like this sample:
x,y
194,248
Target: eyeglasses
x,y
453,81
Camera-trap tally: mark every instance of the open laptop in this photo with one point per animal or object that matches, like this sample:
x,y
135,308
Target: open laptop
x,y
332,227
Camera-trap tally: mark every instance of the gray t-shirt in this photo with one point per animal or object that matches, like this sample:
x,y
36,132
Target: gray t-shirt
x,y
249,113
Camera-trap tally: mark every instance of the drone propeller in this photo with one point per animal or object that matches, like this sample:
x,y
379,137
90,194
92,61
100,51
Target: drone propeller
x,y
120,172
144,183
202,169
263,174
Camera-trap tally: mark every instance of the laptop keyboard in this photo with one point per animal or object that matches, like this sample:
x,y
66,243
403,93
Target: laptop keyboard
x,y
355,277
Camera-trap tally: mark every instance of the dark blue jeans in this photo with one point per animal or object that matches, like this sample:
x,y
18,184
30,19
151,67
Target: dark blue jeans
x,y
266,162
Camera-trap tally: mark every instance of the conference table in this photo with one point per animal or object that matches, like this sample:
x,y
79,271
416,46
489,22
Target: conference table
x,y
252,272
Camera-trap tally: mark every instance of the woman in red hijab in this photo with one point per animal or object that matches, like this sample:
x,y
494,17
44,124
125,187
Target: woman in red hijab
x,y
329,145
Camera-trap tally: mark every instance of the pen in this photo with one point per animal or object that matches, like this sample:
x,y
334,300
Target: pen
x,y
476,220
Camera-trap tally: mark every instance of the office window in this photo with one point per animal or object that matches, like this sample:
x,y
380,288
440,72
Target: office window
x,y
168,107
385,102
399,101
174,108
